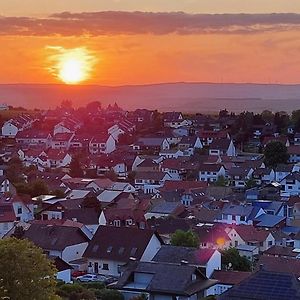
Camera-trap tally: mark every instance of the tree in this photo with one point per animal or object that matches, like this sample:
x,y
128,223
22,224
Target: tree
x,y
275,153
231,258
15,170
25,271
185,239
250,183
75,167
140,297
221,181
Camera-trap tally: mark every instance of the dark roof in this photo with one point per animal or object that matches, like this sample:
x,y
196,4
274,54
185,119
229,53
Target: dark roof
x,y
177,254
265,285
281,251
280,264
230,277
55,237
167,278
118,243
168,225
59,263
220,144
85,216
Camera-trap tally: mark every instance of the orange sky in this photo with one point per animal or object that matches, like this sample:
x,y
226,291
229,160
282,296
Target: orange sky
x,y
139,57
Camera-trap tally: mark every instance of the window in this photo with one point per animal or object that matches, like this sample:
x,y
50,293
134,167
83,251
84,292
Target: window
x,y
105,267
129,222
243,218
19,210
270,243
117,223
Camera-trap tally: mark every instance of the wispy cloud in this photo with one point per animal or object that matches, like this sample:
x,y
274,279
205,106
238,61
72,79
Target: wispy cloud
x,y
132,23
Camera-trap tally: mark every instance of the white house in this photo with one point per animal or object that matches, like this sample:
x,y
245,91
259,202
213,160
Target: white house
x,y
211,172
222,147
112,247
249,235
290,185
150,182
66,242
11,127
239,214
102,144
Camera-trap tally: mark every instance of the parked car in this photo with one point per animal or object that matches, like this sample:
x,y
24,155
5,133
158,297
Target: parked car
x,y
87,278
76,274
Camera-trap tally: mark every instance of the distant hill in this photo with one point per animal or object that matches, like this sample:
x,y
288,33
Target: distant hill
x,y
186,97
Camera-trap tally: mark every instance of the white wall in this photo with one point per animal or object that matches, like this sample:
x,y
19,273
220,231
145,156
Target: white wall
x,y
213,264
153,246
64,276
74,252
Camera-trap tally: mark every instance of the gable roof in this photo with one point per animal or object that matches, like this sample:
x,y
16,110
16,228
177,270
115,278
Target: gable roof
x,y
251,234
118,243
220,144
54,237
167,278
177,254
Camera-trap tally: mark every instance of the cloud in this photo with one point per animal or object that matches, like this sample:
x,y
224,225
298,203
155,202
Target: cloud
x,y
132,23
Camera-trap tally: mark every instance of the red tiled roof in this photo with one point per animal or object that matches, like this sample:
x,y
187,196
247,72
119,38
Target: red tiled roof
x,y
280,264
172,185
249,233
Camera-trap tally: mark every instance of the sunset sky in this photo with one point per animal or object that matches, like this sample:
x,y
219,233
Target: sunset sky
x,y
117,42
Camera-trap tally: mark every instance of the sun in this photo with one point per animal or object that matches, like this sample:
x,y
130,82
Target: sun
x,y
72,71
71,66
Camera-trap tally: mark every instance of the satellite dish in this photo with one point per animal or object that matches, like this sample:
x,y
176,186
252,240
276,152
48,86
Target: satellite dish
x,y
230,265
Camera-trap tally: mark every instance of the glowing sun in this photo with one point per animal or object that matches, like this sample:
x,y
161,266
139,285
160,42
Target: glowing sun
x,y
72,66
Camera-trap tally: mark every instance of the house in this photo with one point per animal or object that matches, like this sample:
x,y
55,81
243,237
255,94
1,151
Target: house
x,y
222,147
165,209
290,184
249,235
167,226
208,260
163,281
62,141
14,208
283,251
33,138
174,120
280,264
188,144
102,144
122,127
188,191
283,170
239,176
11,127
297,139
263,175
66,242
294,152
112,247
265,285
5,185
226,280
57,158
283,139
68,125
270,221
63,269
118,217
151,143
172,153
150,182
211,172
239,214
208,136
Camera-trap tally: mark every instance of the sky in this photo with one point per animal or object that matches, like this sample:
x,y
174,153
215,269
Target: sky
x,y
119,42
